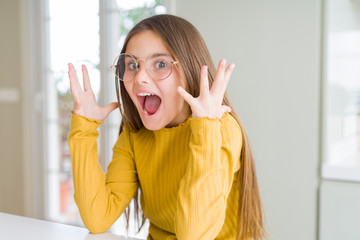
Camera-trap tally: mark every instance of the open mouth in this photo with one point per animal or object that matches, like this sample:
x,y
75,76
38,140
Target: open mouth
x,y
149,102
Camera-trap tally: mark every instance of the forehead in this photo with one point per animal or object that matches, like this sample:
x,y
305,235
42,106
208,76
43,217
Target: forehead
x,y
146,44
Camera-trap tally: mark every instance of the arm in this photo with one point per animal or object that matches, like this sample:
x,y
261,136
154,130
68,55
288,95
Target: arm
x,y
215,151
101,199
214,158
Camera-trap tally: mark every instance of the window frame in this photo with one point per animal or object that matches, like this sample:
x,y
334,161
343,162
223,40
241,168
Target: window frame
x,y
32,62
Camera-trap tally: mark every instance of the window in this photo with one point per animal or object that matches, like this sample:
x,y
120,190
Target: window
x,y
89,32
342,91
72,38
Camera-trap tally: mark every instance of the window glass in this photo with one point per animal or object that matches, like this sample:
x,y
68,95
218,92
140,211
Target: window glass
x,y
73,36
342,92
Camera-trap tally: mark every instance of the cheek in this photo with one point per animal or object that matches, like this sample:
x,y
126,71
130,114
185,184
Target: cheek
x,y
181,79
128,87
177,101
169,89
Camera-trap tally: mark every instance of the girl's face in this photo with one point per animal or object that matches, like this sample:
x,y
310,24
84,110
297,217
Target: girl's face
x,y
157,101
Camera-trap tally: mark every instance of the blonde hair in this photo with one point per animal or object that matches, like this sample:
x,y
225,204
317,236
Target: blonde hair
x,y
186,45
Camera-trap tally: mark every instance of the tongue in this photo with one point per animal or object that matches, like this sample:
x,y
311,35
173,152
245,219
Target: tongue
x,y
152,103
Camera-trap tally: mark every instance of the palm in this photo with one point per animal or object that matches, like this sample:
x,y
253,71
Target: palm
x,y
84,100
209,102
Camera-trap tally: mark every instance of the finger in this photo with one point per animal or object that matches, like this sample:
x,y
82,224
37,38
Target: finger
x,y
224,109
111,107
204,81
75,87
86,79
187,96
227,75
219,77
222,87
229,71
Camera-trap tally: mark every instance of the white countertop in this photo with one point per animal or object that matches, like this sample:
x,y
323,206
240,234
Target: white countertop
x,y
14,227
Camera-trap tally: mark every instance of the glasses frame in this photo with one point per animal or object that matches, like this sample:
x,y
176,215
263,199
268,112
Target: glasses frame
x,y
115,64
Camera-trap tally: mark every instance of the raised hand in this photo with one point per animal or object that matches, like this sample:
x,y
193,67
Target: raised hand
x,y
84,101
209,102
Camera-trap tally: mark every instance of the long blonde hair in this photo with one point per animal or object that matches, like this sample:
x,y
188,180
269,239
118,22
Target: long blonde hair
x,y
186,45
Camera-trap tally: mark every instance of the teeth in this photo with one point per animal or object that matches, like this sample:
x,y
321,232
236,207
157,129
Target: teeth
x,y
145,94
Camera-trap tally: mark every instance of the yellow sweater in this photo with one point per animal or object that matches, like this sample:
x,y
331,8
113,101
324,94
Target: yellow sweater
x,y
187,176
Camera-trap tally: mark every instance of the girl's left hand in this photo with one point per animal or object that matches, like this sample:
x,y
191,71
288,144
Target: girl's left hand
x,y
209,102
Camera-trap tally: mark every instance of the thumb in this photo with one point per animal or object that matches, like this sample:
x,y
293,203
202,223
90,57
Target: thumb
x,y
187,96
111,107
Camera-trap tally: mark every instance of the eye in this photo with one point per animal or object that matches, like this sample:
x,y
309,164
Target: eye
x,y
132,66
161,64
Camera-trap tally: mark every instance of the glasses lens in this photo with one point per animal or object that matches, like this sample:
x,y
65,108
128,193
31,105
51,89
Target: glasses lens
x,y
160,67
126,67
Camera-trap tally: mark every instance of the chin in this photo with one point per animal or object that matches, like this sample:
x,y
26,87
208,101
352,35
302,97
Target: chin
x,y
152,125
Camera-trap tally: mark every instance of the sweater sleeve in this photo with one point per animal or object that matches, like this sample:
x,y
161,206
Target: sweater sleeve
x,y
101,198
214,158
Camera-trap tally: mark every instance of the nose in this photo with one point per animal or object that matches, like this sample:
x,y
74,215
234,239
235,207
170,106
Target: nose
x,y
142,76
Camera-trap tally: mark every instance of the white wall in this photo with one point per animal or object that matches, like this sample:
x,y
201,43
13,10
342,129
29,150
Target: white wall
x,y
11,144
276,90
339,211
340,201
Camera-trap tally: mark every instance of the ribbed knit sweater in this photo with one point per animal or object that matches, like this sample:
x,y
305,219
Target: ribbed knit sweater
x,y
187,176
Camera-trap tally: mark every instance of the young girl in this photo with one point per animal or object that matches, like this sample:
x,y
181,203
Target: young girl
x,y
180,143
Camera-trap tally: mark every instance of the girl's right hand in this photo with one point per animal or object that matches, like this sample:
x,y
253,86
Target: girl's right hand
x,y
84,101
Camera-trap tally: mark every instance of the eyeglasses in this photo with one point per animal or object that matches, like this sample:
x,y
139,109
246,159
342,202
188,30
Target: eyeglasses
x,y
158,66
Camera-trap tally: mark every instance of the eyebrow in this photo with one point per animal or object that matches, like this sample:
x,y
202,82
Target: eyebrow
x,y
152,56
